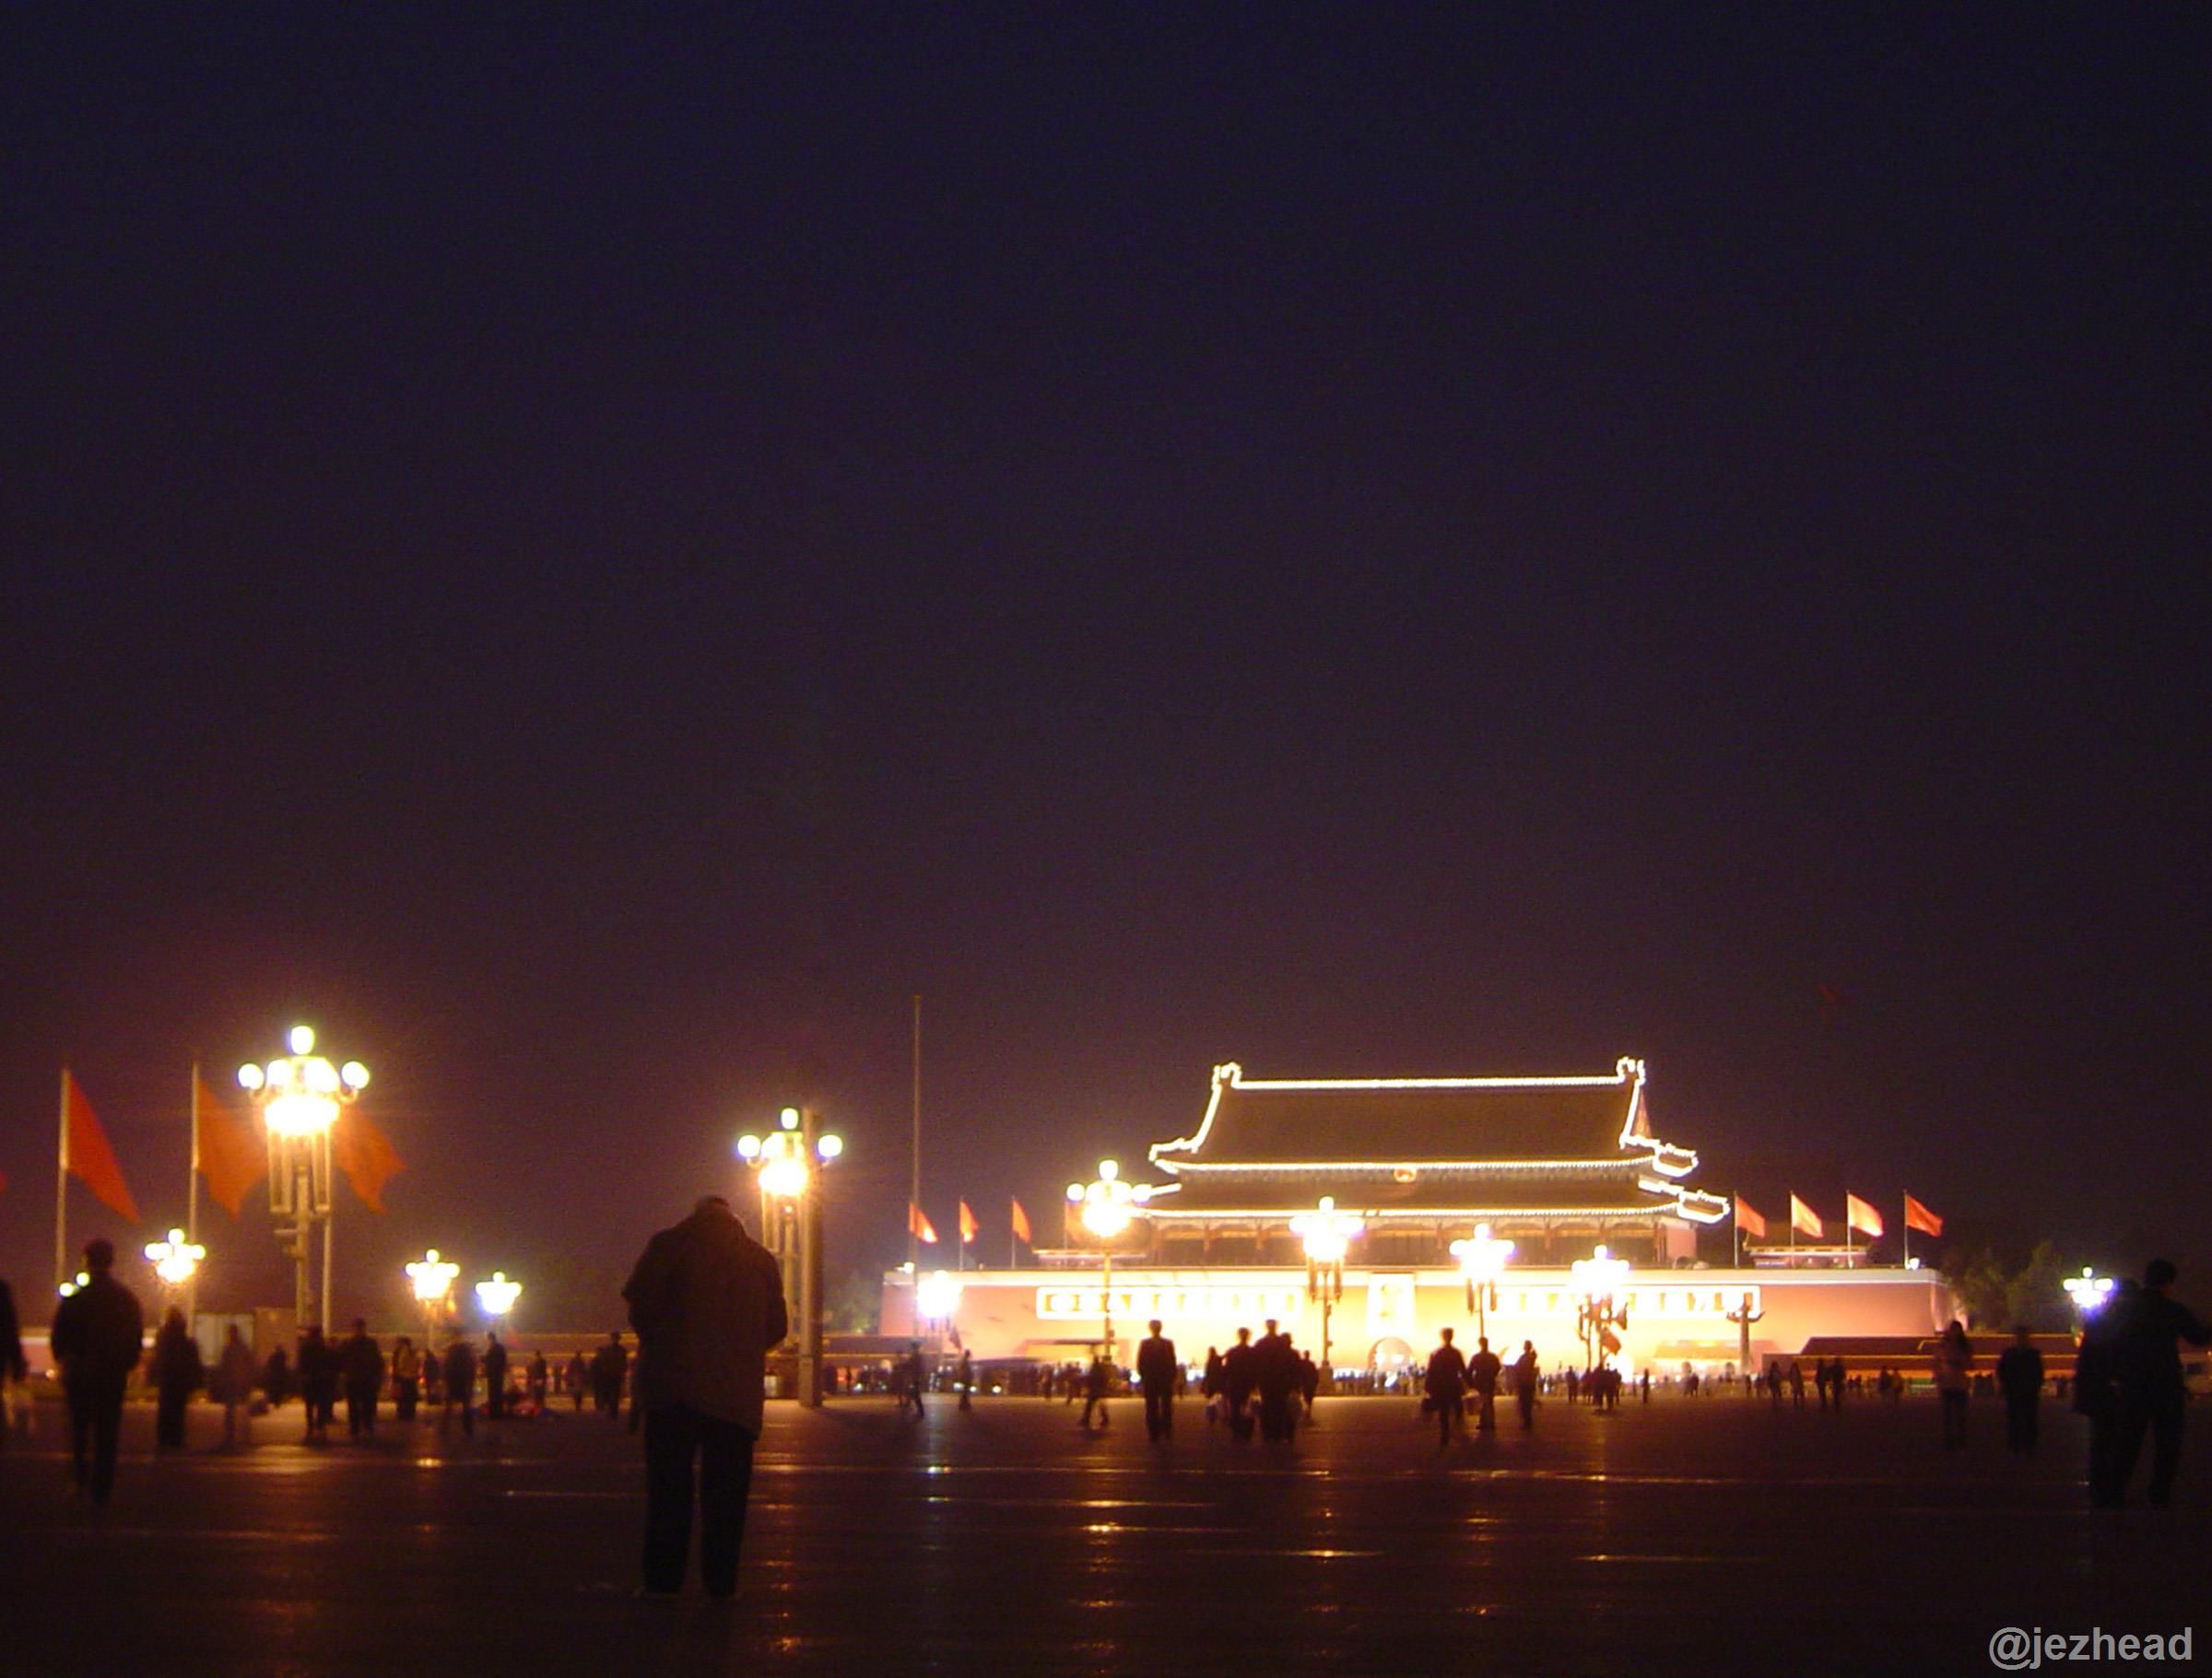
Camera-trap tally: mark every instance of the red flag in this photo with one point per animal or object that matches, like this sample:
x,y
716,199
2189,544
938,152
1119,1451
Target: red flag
x,y
1803,1216
1861,1217
1748,1221
917,1223
1021,1226
969,1226
1918,1216
86,1153
365,1155
224,1148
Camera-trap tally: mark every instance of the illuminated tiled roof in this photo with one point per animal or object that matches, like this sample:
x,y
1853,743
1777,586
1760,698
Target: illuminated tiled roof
x,y
1416,1143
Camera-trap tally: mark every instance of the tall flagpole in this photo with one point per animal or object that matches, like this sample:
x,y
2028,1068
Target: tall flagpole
x,y
61,1192
1906,1230
191,1200
913,1230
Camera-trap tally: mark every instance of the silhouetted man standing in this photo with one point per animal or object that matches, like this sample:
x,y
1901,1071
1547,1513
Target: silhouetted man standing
x,y
12,1366
610,1368
460,1373
1156,1373
1237,1377
1446,1388
1482,1376
495,1377
707,1302
362,1361
96,1338
1274,1367
2020,1380
1525,1384
2147,1363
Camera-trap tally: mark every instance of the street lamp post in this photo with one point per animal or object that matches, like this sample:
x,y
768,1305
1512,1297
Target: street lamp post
x,y
1481,1258
1747,1312
787,1164
1327,1234
1107,1205
299,1097
432,1279
1599,1280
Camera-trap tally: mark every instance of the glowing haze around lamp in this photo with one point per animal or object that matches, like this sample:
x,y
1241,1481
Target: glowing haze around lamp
x,y
780,1158
499,1295
176,1259
937,1297
1481,1258
2089,1291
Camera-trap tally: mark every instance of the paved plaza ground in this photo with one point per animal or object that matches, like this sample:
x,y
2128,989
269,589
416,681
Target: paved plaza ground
x,y
1693,1535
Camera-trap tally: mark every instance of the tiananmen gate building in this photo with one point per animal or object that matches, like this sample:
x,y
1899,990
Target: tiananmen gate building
x,y
1560,1167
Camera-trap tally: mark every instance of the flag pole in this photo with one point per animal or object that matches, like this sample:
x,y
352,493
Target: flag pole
x,y
191,1200
61,1192
913,1228
1907,1231
1735,1221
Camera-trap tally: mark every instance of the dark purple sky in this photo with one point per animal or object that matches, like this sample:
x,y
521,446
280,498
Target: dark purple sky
x,y
592,558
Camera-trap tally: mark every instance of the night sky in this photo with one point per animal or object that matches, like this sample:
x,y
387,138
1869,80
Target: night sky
x,y
592,557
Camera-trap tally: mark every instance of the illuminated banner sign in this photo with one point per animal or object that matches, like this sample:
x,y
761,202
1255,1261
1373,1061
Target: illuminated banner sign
x,y
1073,1304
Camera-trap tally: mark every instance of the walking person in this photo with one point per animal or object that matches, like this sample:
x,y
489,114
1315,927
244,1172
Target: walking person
x,y
706,1301
610,1368
179,1372
538,1381
963,1377
1156,1372
234,1386
361,1365
1238,1379
1096,1383
1953,1362
2020,1380
1274,1369
495,1378
2153,1399
460,1381
1446,1386
96,1338
1525,1384
276,1378
406,1378
917,1378
2097,1393
12,1369
317,1365
1210,1385
1482,1379
578,1378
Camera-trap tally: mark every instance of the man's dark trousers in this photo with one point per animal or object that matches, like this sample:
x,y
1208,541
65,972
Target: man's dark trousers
x,y
95,1420
1160,1411
360,1408
675,1436
2162,1415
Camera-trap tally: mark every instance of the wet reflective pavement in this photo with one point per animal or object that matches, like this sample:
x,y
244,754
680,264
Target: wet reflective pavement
x,y
1690,1535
